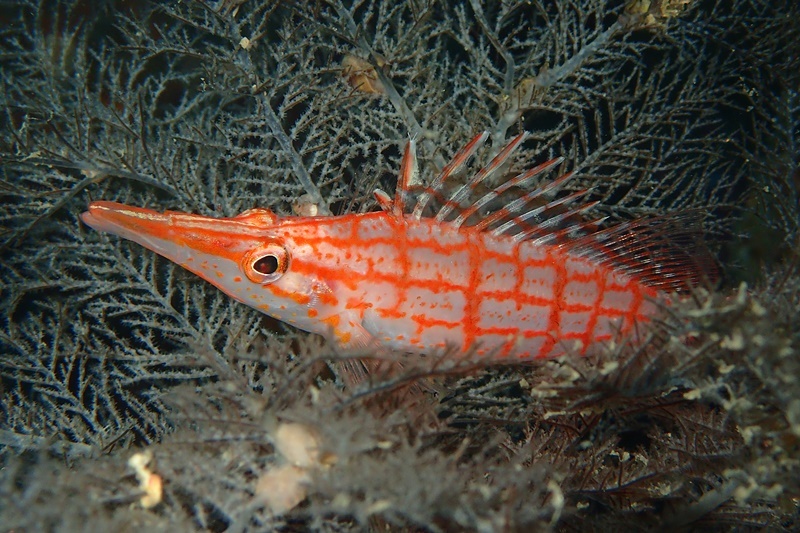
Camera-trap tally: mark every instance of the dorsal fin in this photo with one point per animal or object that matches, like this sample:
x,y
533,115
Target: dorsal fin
x,y
510,219
664,252
517,181
483,174
517,212
453,167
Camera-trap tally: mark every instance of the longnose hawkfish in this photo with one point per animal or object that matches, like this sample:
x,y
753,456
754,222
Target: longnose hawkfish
x,y
531,279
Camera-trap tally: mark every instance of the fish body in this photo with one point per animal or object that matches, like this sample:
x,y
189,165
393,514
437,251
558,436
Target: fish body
x,y
395,279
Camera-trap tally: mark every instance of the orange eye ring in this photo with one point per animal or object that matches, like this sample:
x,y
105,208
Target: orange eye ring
x,y
266,264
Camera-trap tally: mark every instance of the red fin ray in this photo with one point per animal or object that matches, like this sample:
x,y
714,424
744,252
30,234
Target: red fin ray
x,y
513,219
409,172
386,203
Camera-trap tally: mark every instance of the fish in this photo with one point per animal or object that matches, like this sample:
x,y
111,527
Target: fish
x,y
433,269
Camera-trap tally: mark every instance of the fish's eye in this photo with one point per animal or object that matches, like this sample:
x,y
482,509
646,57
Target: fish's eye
x,y
266,264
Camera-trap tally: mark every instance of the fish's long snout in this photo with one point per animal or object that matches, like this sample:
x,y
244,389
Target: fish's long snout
x,y
180,237
126,221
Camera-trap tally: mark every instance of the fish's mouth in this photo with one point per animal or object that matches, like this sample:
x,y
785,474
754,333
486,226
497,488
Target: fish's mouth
x,y
97,218
133,223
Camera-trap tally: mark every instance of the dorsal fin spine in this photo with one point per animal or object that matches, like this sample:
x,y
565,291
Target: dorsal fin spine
x,y
408,174
384,200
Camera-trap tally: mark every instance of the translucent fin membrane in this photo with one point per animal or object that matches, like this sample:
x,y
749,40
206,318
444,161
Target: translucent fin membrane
x,y
665,252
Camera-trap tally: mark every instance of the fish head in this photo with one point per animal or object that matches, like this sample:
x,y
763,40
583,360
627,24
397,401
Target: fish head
x,y
247,256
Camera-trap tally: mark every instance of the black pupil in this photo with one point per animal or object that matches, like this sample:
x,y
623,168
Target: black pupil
x,y
266,265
